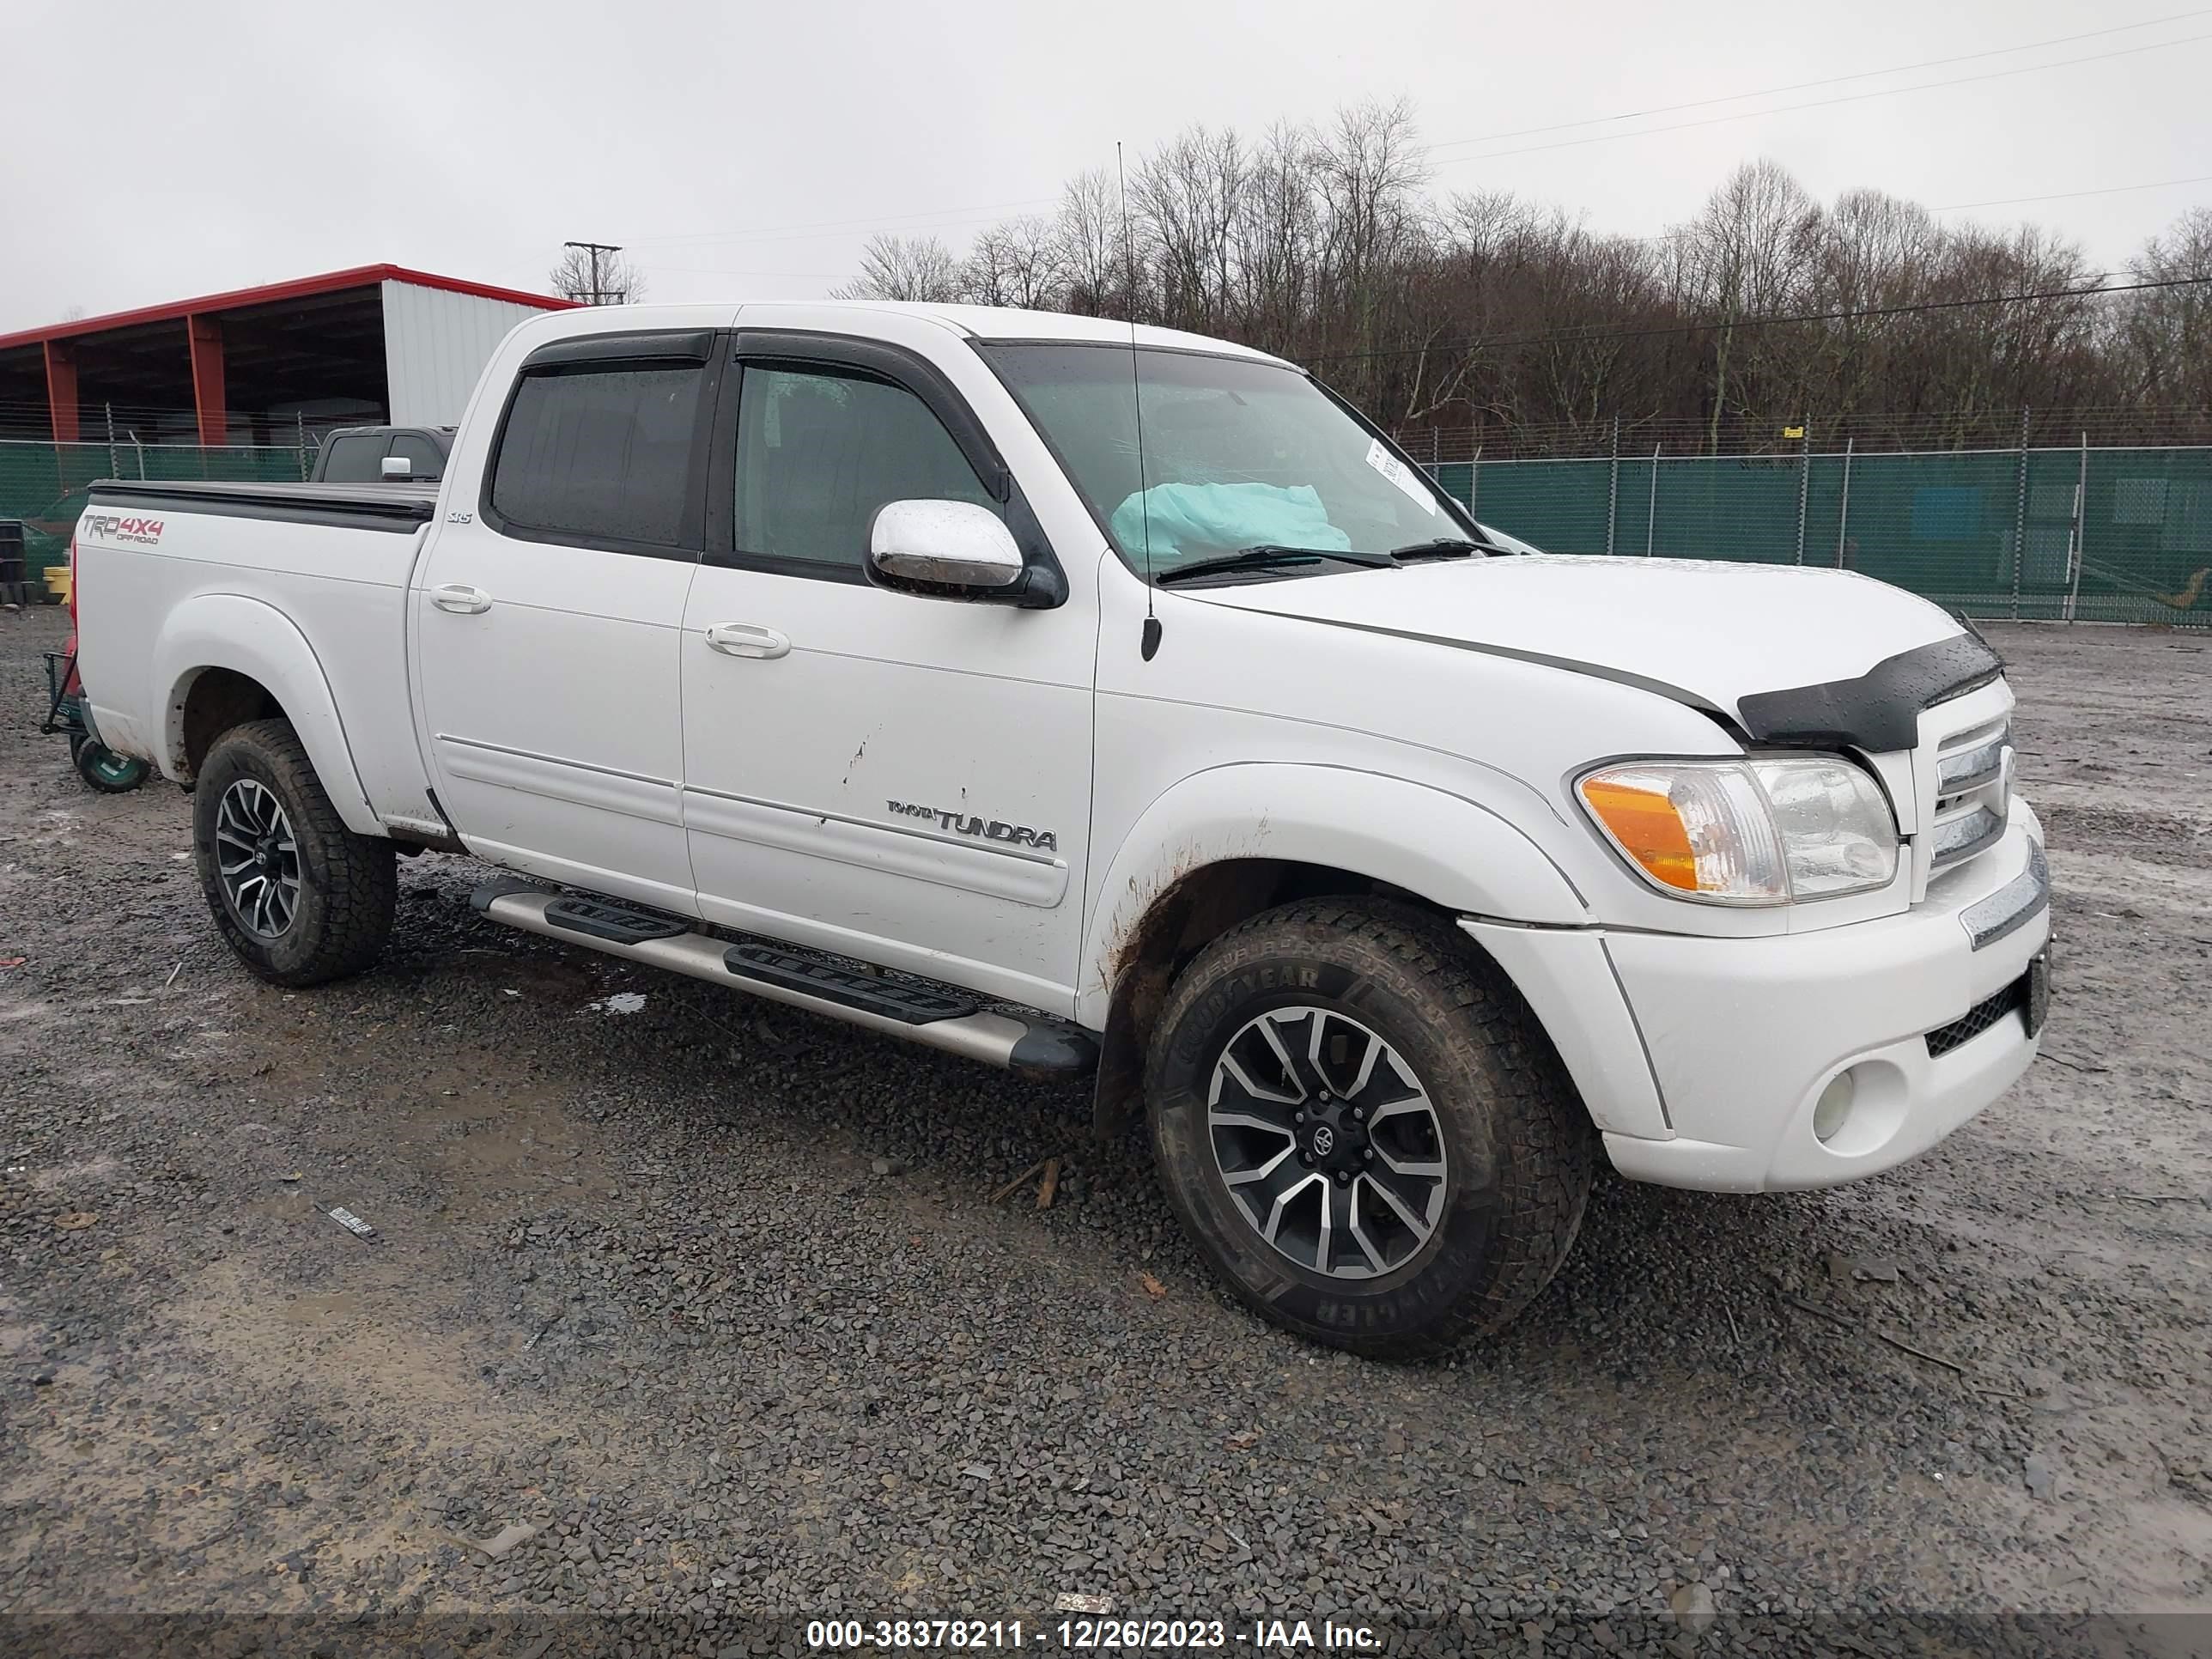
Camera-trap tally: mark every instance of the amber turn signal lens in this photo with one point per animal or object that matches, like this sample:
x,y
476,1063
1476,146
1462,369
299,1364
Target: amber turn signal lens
x,y
1645,825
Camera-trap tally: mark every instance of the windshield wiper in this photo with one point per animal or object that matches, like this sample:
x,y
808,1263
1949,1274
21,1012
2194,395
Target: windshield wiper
x,y
1442,547
1269,555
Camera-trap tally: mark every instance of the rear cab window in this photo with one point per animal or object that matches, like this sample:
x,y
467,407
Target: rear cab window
x,y
426,460
355,458
600,449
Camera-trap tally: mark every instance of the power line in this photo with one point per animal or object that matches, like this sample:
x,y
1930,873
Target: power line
x,y
2070,195
1753,322
963,215
949,217
893,227
879,221
1824,103
1830,81
775,232
717,270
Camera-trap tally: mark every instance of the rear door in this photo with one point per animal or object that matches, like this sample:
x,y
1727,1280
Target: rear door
x,y
548,623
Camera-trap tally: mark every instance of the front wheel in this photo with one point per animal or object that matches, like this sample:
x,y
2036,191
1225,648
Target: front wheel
x,y
1364,1129
299,897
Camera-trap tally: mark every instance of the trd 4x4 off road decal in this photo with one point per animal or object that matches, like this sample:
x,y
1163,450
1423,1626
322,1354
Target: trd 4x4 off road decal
x,y
961,824
144,532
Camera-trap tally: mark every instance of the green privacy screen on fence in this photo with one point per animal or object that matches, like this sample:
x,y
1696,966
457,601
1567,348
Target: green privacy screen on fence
x,y
2097,535
43,484
2094,535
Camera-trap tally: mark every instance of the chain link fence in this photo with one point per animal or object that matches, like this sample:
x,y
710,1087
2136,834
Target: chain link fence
x,y
43,484
2054,535
2051,535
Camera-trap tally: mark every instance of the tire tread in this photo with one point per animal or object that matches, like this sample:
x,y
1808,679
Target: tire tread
x,y
1541,1115
360,881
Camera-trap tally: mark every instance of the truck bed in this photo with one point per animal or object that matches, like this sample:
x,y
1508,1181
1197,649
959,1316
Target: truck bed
x,y
305,583
394,506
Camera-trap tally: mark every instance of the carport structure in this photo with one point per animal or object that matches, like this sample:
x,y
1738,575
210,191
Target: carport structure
x,y
259,365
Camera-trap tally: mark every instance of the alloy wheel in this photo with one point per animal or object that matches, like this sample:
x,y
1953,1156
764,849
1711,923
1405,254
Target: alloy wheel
x,y
1327,1141
259,858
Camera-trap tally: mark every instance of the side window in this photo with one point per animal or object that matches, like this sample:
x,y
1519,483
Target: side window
x,y
356,458
427,460
600,453
818,452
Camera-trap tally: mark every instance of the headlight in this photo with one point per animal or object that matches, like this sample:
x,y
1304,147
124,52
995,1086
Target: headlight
x,y
1759,831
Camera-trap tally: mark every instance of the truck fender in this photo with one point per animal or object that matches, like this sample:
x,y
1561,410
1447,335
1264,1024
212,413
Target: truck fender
x,y
251,637
1451,850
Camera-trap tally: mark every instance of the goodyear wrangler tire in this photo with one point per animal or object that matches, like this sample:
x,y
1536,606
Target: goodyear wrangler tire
x,y
299,897
1364,1129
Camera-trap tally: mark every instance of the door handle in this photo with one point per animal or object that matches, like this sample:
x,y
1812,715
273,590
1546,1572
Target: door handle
x,y
747,640
460,598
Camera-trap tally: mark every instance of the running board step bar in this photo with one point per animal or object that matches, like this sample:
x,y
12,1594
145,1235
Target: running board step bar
x,y
760,962
938,1016
617,922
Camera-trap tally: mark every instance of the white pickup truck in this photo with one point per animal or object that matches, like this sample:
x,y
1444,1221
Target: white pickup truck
x,y
1122,707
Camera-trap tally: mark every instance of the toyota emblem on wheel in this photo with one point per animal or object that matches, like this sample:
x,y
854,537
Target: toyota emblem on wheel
x,y
1301,1085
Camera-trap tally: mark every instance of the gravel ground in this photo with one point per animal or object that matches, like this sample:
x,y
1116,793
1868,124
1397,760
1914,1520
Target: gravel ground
x,y
714,1297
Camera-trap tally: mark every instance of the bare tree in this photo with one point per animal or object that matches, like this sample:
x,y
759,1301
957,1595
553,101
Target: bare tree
x,y
1367,173
1036,265
617,279
1507,320
905,268
1878,253
1016,263
2165,335
1275,233
1088,237
1187,194
1745,255
987,274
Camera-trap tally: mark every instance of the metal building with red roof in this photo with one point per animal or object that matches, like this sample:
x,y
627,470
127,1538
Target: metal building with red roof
x,y
261,365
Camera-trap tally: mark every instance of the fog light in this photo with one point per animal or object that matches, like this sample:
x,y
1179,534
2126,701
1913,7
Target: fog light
x,y
1833,1106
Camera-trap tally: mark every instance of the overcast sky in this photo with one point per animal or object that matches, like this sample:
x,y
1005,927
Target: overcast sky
x,y
155,151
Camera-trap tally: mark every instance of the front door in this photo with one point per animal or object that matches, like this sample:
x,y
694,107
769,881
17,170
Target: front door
x,y
898,778
547,626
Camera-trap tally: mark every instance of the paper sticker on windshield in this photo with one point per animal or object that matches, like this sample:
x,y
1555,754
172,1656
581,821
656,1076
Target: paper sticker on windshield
x,y
1403,476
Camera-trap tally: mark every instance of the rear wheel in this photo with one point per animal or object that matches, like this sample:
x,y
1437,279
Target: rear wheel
x,y
299,897
1364,1129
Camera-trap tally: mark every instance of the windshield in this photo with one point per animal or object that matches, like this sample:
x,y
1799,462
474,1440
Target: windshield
x,y
1498,538
1237,454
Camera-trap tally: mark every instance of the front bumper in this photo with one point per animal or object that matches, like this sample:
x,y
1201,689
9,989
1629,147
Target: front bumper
x,y
1738,1038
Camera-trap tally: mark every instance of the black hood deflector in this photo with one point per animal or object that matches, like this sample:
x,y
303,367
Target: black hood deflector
x,y
1879,711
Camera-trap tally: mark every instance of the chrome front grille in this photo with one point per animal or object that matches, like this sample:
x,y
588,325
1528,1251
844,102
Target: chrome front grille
x,y
1973,793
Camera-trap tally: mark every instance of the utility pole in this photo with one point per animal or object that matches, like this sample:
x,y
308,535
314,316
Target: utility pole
x,y
597,295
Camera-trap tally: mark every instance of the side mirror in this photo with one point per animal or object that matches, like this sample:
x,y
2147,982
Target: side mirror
x,y
945,544
398,467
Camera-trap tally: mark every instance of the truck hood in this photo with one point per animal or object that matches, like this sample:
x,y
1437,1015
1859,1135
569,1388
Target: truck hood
x,y
1780,652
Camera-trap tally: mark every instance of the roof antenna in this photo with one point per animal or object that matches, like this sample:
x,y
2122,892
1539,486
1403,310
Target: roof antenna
x,y
1149,644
